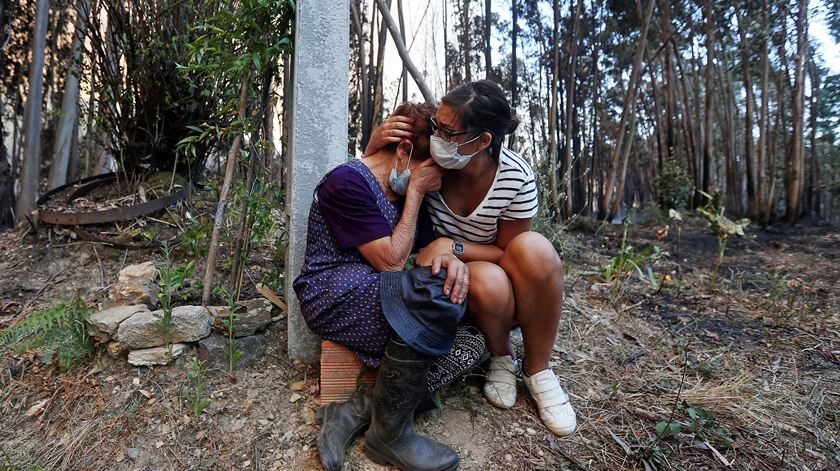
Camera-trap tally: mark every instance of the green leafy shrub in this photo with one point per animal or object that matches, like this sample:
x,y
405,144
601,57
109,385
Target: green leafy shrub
x,y
720,226
558,234
196,237
673,186
172,278
704,424
58,332
193,392
629,261
229,322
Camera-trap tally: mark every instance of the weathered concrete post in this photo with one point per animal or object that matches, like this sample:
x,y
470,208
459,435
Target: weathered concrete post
x,y
318,140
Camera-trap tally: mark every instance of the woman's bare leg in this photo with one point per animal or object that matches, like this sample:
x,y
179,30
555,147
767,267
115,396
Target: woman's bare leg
x,y
490,305
536,273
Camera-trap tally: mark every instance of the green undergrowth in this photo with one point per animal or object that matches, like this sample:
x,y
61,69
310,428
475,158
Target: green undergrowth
x,y
57,333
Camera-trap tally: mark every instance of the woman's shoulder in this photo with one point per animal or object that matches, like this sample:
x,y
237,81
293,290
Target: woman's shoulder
x,y
512,162
352,173
345,179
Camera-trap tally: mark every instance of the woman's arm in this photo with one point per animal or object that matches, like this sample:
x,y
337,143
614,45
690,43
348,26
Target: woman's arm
x,y
390,253
508,229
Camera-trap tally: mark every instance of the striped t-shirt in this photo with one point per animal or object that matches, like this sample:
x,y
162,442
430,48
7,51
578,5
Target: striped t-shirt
x,y
513,195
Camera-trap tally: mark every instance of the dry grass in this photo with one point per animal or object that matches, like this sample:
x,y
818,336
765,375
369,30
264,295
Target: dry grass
x,y
771,378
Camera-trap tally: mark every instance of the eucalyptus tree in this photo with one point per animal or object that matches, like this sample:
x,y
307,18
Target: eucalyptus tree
x,y
31,166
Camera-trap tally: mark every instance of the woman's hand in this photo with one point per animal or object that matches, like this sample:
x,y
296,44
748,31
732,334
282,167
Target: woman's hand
x,y
426,177
457,283
394,129
439,246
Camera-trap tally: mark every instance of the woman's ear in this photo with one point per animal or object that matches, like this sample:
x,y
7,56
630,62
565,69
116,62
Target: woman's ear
x,y
404,148
485,140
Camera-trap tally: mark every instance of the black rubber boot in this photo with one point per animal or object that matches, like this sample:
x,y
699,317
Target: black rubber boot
x,y
391,439
341,423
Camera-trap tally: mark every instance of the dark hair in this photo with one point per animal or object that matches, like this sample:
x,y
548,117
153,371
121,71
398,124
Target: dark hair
x,y
420,112
482,106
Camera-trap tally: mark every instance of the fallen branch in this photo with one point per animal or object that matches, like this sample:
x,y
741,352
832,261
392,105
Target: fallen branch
x,y
271,296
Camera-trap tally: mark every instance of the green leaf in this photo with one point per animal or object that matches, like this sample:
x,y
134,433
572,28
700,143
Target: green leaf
x,y
650,275
665,429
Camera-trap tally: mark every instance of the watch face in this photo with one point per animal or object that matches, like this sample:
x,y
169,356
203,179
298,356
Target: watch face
x,y
458,248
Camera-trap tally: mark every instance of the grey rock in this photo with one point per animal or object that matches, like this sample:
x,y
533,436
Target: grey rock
x,y
103,324
133,454
143,272
135,285
115,349
254,316
601,289
213,350
130,292
189,324
156,355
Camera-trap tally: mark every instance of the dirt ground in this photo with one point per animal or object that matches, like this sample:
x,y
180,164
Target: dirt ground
x,y
748,369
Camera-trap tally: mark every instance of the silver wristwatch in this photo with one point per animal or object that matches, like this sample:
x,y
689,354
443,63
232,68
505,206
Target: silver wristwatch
x,y
457,249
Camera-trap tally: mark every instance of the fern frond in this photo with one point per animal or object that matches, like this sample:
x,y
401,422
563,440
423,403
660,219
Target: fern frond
x,y
59,331
41,321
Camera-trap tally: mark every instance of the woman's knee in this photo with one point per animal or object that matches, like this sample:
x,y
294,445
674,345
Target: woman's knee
x,y
532,255
491,292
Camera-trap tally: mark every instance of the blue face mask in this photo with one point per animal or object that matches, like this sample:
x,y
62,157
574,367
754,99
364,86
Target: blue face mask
x,y
399,183
446,153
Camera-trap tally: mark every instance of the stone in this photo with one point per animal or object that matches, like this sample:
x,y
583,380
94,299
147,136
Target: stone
x,y
189,324
103,324
254,316
122,294
142,271
319,102
156,355
601,289
115,349
308,415
213,350
135,285
133,453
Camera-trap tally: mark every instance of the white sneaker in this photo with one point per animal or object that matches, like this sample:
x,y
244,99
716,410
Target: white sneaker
x,y
500,387
552,402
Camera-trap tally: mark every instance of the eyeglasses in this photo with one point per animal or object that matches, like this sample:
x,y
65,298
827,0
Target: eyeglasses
x,y
446,134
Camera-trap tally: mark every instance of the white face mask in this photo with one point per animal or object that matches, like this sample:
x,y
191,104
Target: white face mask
x,y
446,153
399,183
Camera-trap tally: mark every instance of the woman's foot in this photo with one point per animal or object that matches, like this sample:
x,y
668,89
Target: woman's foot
x,y
500,388
553,403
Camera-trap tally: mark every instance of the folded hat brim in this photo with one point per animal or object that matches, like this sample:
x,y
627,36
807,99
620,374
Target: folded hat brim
x,y
418,310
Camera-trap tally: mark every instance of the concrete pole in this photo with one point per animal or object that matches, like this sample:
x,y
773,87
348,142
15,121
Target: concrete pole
x,y
318,140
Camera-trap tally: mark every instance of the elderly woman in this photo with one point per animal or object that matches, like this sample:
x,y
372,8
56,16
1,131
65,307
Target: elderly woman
x,y
366,219
482,213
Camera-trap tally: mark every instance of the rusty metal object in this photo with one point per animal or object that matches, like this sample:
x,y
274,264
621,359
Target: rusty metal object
x,y
49,195
105,215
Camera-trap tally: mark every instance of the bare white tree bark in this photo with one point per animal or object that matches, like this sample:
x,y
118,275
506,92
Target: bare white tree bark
x,y
31,165
69,104
409,64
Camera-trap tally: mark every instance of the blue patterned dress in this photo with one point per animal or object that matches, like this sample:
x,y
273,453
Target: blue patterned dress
x,y
338,289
